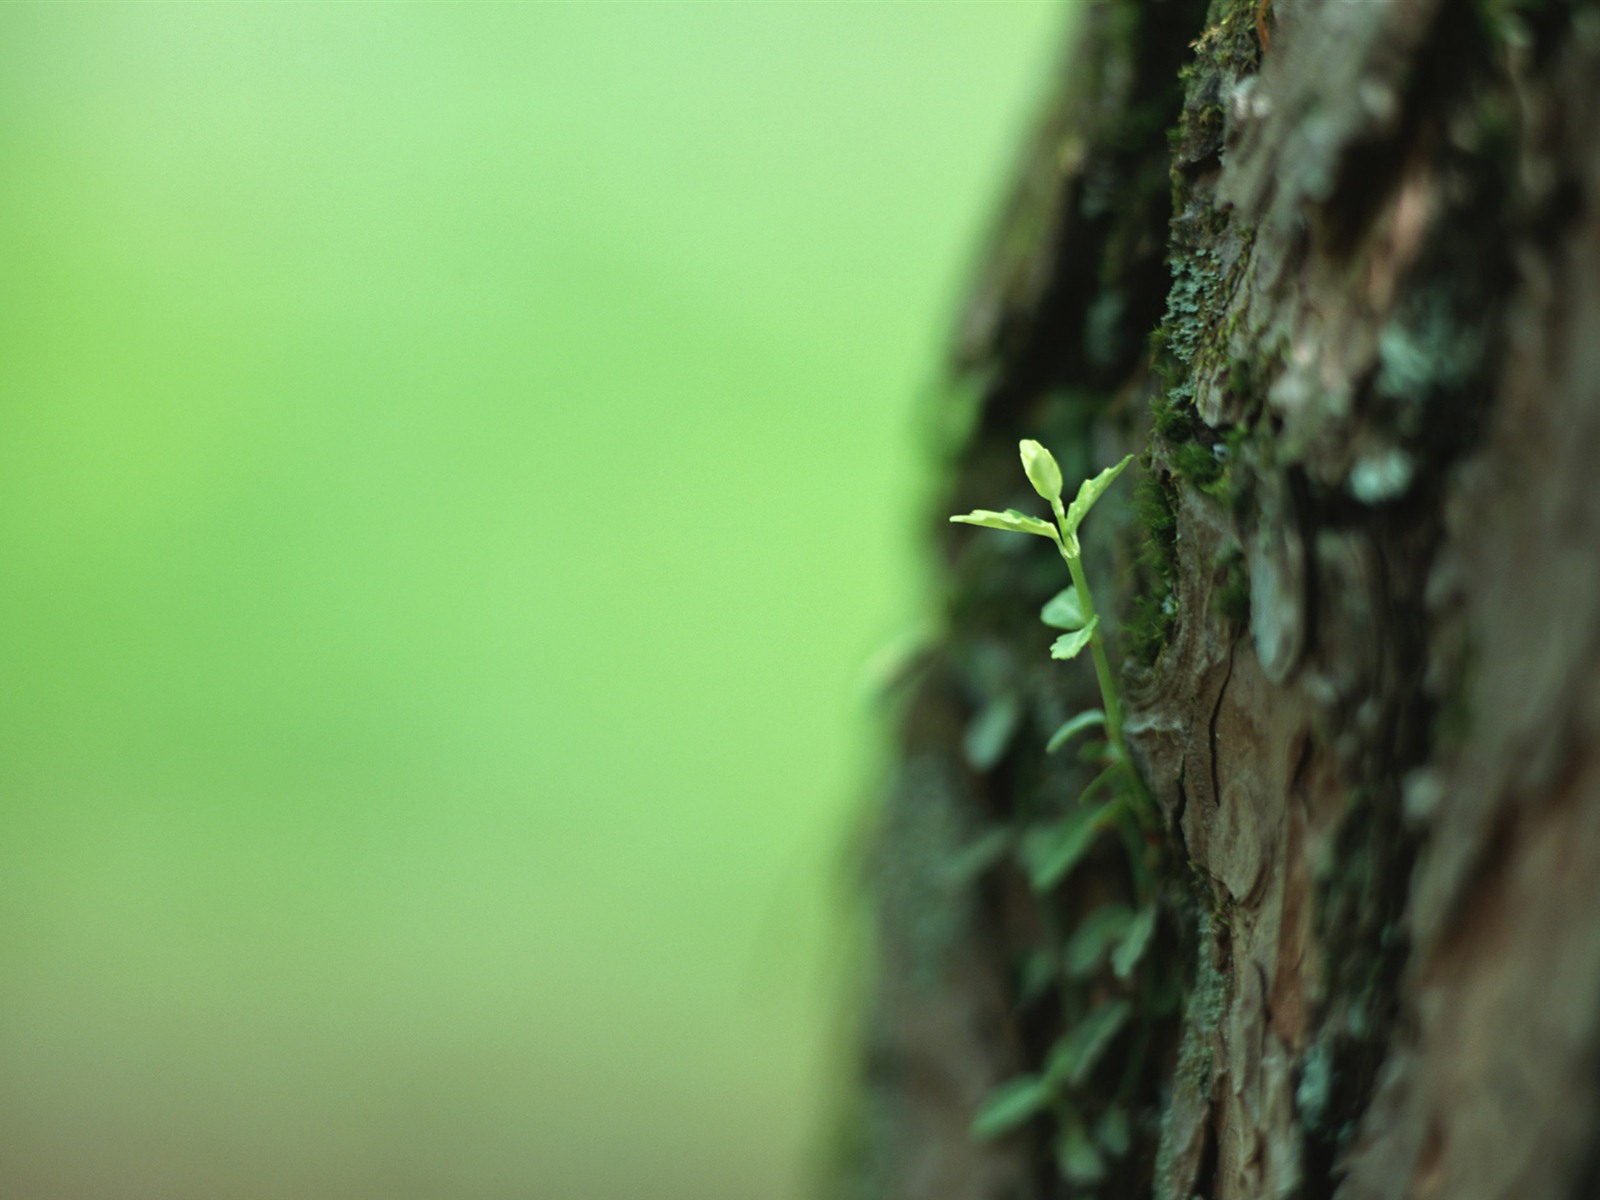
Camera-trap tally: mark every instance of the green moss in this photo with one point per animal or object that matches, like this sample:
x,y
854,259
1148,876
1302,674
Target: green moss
x,y
1208,256
1202,284
1155,608
1196,463
1219,470
1171,414
1226,50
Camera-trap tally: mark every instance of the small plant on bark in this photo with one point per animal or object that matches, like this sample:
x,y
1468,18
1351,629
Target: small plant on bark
x,y
1073,611
1087,1130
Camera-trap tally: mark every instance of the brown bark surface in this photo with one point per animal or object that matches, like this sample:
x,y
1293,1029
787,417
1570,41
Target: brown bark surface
x,y
1332,268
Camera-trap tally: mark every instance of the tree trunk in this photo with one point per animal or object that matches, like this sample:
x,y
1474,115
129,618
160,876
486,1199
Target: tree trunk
x,y
1331,268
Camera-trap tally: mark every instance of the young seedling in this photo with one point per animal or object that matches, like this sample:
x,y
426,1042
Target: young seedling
x,y
1073,609
1114,937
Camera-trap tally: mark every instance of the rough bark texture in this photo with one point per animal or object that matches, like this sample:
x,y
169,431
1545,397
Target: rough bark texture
x,y
1332,268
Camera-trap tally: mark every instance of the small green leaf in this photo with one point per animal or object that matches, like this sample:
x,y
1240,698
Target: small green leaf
x,y
1050,851
1084,720
1063,611
990,732
1135,940
1087,946
1070,645
1076,1157
1091,491
1041,468
1011,521
1009,1106
1076,1054
1113,1133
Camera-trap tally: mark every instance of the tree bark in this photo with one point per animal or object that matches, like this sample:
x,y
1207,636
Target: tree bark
x,y
1331,268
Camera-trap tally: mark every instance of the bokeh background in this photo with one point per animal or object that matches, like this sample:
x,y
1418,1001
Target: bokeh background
x,y
456,462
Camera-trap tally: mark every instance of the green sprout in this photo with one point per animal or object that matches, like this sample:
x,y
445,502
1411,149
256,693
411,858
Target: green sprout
x,y
1089,1129
1073,610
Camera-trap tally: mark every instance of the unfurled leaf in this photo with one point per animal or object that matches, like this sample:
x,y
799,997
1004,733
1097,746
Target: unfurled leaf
x,y
1113,1133
1133,943
1095,935
1076,1156
1063,611
1010,521
1076,1054
1042,469
1009,1106
1070,645
1084,720
1091,491
1050,851
989,733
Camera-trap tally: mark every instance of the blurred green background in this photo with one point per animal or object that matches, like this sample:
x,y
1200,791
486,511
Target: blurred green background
x,y
456,462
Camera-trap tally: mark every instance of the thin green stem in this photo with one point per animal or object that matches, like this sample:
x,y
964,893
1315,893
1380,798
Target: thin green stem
x,y
1110,700
1102,665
